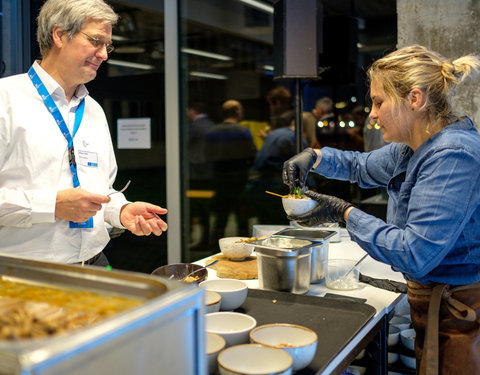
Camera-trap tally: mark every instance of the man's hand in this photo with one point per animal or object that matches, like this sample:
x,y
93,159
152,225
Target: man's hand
x,y
142,219
329,210
78,205
295,169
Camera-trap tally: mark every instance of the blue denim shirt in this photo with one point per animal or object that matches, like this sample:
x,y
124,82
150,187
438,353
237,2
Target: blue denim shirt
x,y
432,232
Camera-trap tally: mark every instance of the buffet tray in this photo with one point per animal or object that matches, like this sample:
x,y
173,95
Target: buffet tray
x,y
134,341
335,321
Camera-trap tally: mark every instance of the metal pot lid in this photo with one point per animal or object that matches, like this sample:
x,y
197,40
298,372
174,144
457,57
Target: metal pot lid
x,y
283,246
306,234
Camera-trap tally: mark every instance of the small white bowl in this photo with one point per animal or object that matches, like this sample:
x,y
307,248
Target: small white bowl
x,y
233,327
297,207
233,292
254,359
298,341
408,361
215,344
408,338
235,248
393,335
212,301
400,322
392,358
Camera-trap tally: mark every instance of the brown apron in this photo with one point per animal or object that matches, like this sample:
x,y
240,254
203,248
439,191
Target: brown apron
x,y
446,320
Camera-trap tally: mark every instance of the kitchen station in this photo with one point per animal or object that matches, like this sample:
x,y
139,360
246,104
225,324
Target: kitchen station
x,y
275,280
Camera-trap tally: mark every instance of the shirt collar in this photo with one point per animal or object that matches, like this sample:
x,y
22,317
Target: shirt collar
x,y
52,86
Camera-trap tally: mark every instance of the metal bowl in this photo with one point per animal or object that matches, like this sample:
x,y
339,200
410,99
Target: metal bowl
x,y
180,270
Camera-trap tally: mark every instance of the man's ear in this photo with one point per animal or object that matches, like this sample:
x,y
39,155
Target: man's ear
x,y
417,98
57,35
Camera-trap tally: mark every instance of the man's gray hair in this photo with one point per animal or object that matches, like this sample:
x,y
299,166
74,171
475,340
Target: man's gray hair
x,y
70,16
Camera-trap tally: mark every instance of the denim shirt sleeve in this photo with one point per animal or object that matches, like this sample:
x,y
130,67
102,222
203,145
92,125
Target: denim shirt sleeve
x,y
435,203
368,170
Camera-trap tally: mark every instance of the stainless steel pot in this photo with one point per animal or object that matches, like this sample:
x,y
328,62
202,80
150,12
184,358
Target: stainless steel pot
x,y
284,264
319,251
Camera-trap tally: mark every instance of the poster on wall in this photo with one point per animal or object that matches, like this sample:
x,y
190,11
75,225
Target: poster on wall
x,y
134,133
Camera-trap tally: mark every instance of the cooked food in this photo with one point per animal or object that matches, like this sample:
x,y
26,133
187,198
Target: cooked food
x,y
295,196
191,279
31,311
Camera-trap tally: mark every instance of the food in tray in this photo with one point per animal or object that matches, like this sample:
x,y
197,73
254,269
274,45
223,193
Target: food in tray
x,y
32,311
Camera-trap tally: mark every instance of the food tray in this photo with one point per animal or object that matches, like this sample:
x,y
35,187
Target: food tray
x,y
335,321
135,341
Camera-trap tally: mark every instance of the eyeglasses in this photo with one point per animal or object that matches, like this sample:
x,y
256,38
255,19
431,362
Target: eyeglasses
x,y
99,43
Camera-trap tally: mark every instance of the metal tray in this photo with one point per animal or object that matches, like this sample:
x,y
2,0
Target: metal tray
x,y
131,342
335,321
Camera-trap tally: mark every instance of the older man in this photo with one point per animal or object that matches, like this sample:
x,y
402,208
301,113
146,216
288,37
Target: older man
x,y
57,164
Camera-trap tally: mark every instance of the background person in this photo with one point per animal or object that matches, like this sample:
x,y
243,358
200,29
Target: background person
x,y
200,172
231,151
57,164
431,169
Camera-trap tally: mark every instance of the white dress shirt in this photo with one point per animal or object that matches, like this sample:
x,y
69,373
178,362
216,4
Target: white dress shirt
x,y
34,166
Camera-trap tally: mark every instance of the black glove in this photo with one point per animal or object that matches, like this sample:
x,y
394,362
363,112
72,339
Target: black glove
x,y
329,210
295,169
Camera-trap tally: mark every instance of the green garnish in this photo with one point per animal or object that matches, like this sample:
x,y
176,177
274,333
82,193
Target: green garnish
x,y
297,192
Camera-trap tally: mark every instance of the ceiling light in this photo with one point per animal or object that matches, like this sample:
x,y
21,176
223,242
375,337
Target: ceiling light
x,y
258,5
129,64
208,75
268,67
211,55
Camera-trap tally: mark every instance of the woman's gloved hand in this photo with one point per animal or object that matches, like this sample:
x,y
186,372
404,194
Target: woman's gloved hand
x,y
329,210
295,169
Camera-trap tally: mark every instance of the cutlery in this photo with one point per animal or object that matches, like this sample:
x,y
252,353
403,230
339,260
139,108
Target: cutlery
x,y
123,189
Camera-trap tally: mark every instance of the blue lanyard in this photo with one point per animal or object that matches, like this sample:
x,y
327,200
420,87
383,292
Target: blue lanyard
x,y
53,109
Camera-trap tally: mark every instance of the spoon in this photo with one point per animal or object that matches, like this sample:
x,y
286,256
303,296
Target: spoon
x,y
355,265
123,189
191,273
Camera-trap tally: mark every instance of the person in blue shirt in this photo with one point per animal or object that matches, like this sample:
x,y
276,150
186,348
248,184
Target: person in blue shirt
x,y
431,170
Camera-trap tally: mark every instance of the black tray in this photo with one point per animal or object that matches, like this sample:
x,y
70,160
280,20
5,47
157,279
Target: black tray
x,y
335,321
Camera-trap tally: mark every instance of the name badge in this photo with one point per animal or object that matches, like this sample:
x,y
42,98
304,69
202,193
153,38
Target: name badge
x,y
87,158
86,224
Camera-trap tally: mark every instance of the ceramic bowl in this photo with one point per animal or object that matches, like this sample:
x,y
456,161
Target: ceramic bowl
x,y
254,359
392,358
338,277
400,322
180,270
407,336
298,341
233,292
212,301
295,206
235,248
232,326
408,361
215,344
393,335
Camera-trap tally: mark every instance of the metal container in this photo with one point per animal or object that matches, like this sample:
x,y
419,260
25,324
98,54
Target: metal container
x,y
284,264
136,341
319,251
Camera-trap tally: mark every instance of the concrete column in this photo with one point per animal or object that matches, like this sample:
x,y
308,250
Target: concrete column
x,y
450,28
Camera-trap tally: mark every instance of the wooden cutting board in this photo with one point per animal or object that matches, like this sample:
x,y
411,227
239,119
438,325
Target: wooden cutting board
x,y
246,269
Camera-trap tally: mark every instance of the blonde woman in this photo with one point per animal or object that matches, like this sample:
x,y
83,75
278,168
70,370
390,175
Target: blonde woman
x,y
431,171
